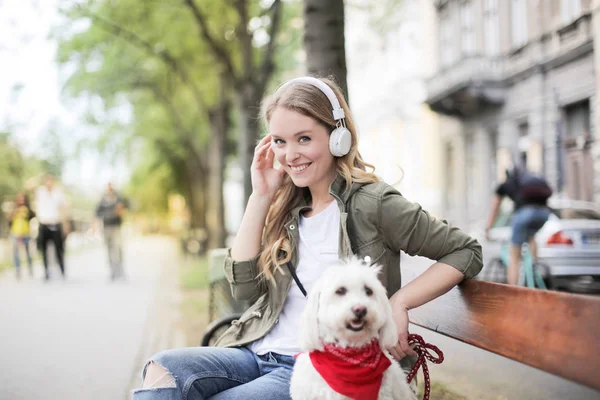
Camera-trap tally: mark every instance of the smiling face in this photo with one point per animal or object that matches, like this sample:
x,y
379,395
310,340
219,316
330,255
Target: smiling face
x,y
301,146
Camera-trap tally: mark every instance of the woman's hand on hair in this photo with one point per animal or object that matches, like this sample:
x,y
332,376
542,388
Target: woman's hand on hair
x,y
266,179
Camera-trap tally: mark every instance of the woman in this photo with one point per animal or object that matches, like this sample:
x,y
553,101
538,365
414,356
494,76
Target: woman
x,y
20,231
320,205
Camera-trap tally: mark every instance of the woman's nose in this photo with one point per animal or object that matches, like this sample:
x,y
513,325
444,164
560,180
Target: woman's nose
x,y
291,155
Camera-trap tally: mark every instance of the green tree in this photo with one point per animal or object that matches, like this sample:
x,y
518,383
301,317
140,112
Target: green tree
x,y
139,55
246,64
12,171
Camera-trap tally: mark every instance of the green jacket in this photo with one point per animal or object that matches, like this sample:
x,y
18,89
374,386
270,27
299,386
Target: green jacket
x,y
376,221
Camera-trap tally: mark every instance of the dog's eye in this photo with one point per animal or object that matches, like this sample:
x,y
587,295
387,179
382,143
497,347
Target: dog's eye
x,y
341,291
368,291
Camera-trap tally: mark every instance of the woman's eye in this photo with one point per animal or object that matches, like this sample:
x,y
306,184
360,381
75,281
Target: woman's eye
x,y
278,141
304,139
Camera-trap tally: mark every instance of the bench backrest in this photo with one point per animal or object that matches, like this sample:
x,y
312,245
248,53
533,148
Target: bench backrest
x,y
555,332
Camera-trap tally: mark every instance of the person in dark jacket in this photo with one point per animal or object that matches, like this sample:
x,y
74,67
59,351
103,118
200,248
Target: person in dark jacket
x,y
110,211
529,195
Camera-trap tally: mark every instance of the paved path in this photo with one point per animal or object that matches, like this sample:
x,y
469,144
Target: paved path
x,y
480,375
87,338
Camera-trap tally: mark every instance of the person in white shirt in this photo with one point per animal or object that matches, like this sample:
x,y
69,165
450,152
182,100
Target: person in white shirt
x,y
51,207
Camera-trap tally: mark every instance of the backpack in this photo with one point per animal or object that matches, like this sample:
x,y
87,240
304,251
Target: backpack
x,y
532,188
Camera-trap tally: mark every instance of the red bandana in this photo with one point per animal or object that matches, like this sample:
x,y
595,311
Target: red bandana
x,y
355,372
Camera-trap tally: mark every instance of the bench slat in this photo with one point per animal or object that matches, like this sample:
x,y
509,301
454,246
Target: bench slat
x,y
555,332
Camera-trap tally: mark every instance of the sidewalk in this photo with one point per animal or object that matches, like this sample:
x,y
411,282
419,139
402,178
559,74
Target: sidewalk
x,y
87,337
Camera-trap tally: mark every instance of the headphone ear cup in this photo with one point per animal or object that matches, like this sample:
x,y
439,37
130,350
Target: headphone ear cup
x,y
340,141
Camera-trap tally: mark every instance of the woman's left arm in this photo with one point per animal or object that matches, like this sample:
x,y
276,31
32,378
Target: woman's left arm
x,y
407,227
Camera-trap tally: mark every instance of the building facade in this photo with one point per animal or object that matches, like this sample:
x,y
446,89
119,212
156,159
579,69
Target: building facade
x,y
517,79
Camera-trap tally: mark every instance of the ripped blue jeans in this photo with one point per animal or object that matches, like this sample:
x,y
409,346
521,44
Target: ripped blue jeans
x,y
215,373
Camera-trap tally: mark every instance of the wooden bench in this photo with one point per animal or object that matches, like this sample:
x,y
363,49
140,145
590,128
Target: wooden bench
x,y
555,332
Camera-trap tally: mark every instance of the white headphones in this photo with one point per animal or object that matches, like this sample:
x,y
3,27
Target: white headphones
x,y
340,139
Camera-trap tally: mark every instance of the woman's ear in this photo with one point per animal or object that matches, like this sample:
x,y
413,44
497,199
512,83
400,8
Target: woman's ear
x,y
388,333
309,331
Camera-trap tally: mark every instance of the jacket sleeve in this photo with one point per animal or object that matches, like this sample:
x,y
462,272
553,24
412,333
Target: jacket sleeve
x,y
407,227
243,277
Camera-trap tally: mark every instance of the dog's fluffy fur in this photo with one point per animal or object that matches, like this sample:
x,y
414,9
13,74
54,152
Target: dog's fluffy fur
x,y
328,318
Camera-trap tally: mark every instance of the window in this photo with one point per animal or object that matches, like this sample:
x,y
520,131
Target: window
x,y
467,28
570,10
523,144
491,27
578,119
519,22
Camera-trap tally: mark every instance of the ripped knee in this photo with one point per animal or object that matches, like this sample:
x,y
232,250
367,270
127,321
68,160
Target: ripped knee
x,y
156,376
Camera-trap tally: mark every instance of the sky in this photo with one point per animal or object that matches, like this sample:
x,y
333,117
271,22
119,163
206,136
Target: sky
x,y
30,92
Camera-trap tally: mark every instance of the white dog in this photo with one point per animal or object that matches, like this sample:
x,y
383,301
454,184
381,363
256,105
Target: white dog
x,y
345,325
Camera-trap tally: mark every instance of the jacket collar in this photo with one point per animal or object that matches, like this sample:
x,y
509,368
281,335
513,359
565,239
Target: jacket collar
x,y
337,189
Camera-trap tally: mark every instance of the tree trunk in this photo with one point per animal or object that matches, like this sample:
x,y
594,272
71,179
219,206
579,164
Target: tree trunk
x,y
219,122
324,40
197,190
249,107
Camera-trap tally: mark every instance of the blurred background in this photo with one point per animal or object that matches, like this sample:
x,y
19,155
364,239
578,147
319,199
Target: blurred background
x,y
160,98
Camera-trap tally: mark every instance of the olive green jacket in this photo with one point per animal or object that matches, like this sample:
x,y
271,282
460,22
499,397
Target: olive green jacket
x,y
376,221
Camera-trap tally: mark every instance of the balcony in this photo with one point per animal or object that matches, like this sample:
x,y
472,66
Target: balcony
x,y
466,87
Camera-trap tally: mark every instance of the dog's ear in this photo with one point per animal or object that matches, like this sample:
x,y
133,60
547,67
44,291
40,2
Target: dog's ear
x,y
309,331
376,268
388,333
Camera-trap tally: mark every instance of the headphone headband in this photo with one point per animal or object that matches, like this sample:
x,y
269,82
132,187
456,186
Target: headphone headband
x,y
338,111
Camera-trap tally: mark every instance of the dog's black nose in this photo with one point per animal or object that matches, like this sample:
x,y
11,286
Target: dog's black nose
x,y
359,311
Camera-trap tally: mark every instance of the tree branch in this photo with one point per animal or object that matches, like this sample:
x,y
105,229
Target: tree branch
x,y
135,40
176,119
218,50
268,66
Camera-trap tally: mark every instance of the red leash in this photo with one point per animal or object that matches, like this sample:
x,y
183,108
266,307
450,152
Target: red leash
x,y
423,354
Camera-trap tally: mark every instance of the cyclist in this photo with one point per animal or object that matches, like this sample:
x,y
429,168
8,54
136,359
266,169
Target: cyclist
x,y
529,194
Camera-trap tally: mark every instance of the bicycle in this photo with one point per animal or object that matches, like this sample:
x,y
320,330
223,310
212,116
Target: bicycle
x,y
531,273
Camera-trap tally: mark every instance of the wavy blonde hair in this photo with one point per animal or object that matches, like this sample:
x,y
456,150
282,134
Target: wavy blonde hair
x,y
308,100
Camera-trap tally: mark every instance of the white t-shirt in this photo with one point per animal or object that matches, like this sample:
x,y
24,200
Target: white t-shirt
x,y
318,247
49,205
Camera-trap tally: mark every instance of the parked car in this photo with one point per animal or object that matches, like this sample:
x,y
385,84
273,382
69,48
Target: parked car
x,y
569,244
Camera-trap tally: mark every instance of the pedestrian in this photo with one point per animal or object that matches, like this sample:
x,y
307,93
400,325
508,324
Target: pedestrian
x,y
20,229
52,208
529,194
110,211
321,204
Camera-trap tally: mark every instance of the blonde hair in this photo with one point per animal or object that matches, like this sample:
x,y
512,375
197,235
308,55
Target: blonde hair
x,y
308,100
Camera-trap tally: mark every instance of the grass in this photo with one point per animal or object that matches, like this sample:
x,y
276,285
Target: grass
x,y
195,294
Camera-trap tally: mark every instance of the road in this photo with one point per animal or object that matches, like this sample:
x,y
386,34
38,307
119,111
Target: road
x,y
86,337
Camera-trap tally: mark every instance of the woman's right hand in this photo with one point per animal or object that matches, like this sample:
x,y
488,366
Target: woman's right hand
x,y
266,179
